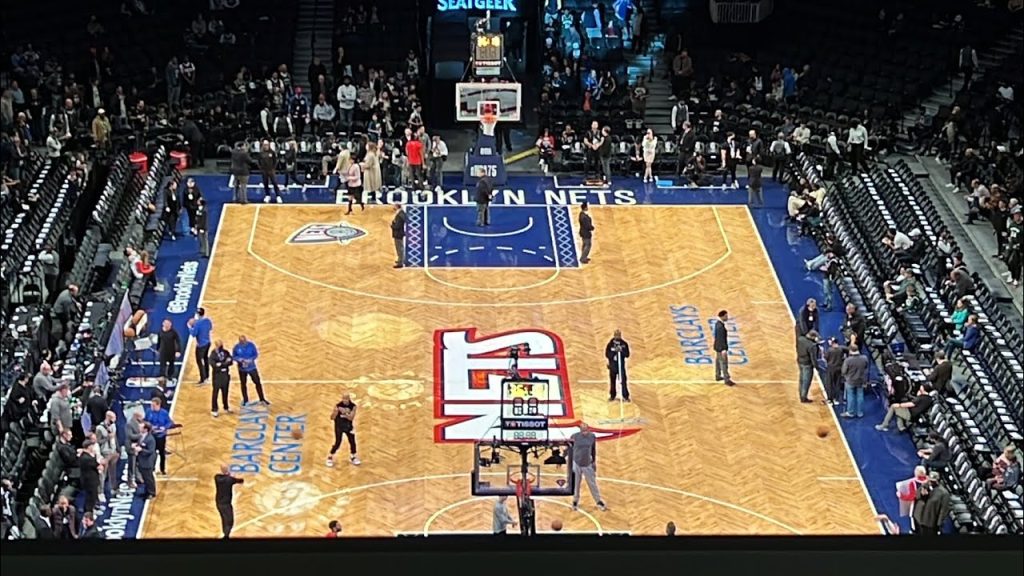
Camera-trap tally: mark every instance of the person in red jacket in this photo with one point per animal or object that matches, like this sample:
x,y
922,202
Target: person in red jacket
x,y
414,154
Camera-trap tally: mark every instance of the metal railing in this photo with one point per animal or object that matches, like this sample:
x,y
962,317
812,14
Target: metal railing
x,y
740,11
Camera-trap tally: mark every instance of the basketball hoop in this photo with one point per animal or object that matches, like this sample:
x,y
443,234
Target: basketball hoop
x,y
487,124
515,478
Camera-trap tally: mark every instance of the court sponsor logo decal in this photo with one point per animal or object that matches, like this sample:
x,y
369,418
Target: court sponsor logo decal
x,y
468,370
342,233
695,334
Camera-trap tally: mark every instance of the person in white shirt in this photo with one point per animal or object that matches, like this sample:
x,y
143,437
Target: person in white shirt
x,y
53,145
347,96
833,155
857,140
897,241
438,155
323,115
801,136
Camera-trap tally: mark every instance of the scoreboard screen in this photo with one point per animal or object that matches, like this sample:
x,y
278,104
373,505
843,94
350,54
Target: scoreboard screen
x,y
487,54
524,414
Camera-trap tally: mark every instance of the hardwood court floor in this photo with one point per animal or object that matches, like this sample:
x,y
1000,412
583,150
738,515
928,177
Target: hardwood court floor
x,y
332,318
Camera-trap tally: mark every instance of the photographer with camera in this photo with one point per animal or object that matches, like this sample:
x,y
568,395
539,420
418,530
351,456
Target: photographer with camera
x,y
616,353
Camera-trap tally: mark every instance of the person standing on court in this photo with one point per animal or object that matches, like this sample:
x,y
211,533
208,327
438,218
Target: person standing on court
x,y
224,483
484,193
755,197
398,235
160,422
501,519
807,354
604,152
721,346
931,506
168,344
268,172
835,356
220,364
616,352
586,232
240,172
202,228
200,327
145,458
245,354
584,465
344,416
855,374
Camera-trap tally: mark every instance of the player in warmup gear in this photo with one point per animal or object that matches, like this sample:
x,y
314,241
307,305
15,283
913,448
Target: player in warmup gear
x,y
344,415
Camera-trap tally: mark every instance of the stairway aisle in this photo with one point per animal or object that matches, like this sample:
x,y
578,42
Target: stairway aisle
x,y
994,56
313,37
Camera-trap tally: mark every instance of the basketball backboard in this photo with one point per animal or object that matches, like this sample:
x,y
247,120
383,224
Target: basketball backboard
x,y
474,99
498,468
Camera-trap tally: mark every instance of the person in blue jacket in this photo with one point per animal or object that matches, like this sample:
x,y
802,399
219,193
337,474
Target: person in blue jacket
x,y
200,327
160,421
245,354
969,340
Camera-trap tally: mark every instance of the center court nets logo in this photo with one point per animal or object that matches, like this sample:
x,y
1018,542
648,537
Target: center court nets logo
x,y
467,384
342,233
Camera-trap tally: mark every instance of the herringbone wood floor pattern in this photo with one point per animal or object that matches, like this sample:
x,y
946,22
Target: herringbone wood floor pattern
x,y
331,319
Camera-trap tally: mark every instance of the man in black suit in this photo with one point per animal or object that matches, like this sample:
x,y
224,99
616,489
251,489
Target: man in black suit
x,y
586,232
616,352
755,197
484,193
91,470
225,485
172,209
687,144
202,227
721,347
44,524
398,235
240,171
168,344
854,324
146,459
220,364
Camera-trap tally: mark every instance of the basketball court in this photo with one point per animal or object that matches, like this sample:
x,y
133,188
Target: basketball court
x,y
317,293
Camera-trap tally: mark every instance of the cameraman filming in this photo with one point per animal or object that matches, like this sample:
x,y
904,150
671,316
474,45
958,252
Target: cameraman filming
x,y
616,353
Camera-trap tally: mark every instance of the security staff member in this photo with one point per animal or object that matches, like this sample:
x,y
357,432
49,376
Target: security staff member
x,y
240,172
398,235
616,352
721,346
225,486
220,364
586,232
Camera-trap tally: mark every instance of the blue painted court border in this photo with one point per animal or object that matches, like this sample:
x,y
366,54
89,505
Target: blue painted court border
x,y
882,458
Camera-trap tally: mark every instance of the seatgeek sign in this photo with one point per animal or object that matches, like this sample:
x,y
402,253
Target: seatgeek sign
x,y
495,5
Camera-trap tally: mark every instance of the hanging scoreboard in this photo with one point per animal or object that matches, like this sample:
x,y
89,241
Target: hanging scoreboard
x,y
488,51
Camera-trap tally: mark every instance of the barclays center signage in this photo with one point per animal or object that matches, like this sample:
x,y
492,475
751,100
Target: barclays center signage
x,y
495,5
